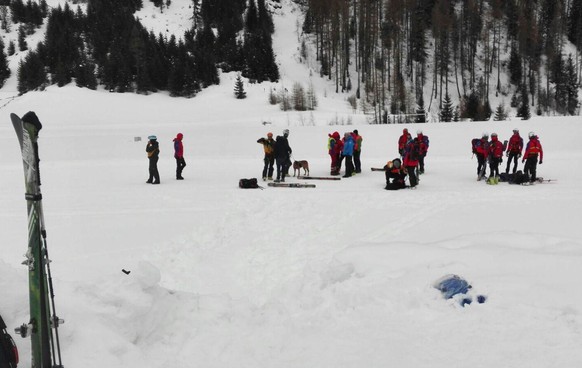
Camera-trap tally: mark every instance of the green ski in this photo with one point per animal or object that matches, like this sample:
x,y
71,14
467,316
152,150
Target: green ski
x,y
43,324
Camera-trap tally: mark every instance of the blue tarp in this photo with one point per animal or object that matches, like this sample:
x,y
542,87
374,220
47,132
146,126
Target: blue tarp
x,y
454,286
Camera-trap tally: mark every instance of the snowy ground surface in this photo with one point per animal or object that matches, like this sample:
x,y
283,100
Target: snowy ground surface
x,y
332,277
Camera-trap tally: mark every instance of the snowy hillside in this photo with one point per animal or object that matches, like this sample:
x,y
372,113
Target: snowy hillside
x,y
336,276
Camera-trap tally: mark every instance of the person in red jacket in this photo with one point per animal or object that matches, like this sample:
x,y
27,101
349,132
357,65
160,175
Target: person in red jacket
x,y
495,155
423,140
514,148
179,156
533,150
411,157
402,141
335,146
481,150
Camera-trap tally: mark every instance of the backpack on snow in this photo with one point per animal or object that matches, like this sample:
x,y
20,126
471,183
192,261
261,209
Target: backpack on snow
x,y
475,143
519,177
8,350
248,183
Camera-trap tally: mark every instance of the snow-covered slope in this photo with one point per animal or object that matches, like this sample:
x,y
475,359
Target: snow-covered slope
x,y
336,276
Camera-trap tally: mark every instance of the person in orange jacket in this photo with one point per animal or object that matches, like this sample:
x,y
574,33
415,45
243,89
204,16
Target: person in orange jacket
x,y
533,150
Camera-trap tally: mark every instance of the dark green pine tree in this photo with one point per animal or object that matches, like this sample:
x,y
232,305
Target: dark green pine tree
x,y
239,88
420,111
31,73
446,113
571,87
11,48
205,58
575,23
500,114
22,45
515,70
4,68
523,111
472,107
264,18
84,72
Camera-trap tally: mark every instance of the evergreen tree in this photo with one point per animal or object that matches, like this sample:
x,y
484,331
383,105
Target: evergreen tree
x,y
31,73
298,97
4,68
572,87
523,112
84,72
446,113
22,45
239,88
515,71
500,114
11,48
420,111
311,98
575,23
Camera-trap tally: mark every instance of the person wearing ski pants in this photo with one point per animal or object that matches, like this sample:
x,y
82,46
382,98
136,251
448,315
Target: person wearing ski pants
x,y
533,150
495,155
347,153
514,148
357,151
282,155
179,156
269,159
153,150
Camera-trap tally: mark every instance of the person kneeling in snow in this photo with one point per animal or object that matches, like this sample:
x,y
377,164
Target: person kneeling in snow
x,y
395,175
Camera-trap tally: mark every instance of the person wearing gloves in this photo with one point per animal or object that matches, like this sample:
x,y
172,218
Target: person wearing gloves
x,y
514,148
533,151
153,150
179,156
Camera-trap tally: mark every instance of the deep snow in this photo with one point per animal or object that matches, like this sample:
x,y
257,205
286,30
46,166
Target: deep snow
x,y
336,276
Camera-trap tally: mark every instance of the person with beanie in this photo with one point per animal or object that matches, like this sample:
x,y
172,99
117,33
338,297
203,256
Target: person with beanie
x,y
153,150
179,156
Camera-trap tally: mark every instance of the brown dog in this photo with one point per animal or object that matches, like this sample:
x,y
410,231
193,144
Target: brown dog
x,y
298,165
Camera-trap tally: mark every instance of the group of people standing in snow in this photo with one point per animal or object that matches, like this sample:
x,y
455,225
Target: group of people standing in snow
x,y
153,152
347,149
277,154
491,152
412,153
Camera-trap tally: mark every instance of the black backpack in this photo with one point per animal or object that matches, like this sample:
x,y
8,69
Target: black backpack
x,y
519,177
248,183
414,150
8,350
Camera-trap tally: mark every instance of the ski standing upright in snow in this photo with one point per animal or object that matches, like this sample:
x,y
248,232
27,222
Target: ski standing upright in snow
x,y
43,325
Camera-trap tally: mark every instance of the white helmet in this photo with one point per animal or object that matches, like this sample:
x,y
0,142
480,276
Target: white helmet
x,y
485,135
286,132
531,134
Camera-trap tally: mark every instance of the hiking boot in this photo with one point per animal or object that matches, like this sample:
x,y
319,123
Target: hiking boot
x,y
149,182
270,178
179,178
264,178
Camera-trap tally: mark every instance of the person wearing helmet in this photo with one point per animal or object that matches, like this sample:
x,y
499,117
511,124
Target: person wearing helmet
x,y
269,159
402,141
533,150
179,156
495,155
282,155
514,148
410,161
395,175
153,150
423,140
481,150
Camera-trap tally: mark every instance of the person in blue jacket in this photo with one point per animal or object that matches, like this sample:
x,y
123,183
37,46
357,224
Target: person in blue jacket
x,y
348,152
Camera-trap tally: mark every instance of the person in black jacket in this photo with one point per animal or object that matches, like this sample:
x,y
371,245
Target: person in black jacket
x,y
395,175
153,151
282,155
